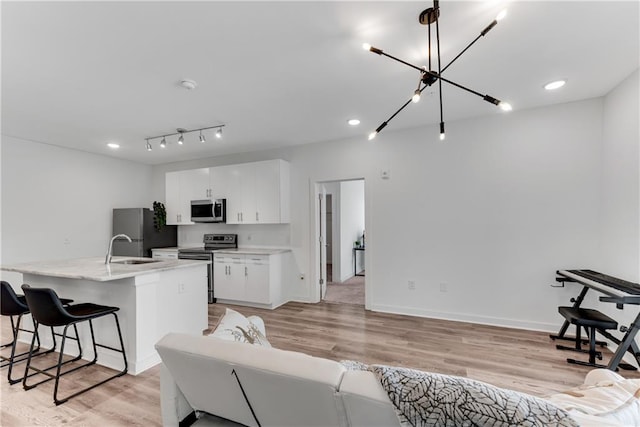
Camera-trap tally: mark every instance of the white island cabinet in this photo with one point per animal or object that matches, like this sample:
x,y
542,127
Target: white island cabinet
x,y
154,298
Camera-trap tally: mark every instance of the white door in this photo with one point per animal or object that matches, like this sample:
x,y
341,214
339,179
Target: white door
x,y
322,240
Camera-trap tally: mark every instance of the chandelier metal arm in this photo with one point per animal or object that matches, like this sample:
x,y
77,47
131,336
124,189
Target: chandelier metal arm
x,y
463,51
482,34
398,59
435,3
397,111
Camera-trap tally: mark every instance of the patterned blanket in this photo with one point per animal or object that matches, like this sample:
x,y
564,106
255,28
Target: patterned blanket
x,y
429,399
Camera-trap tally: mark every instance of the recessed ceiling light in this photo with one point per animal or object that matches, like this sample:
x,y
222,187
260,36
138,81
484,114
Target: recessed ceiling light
x,y
353,122
113,145
555,85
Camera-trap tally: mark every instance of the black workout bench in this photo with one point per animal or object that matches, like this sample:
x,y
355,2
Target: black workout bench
x,y
591,320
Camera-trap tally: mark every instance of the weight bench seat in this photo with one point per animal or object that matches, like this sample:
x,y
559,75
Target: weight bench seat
x,y
587,317
591,320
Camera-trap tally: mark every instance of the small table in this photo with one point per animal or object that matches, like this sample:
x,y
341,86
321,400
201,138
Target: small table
x,y
355,260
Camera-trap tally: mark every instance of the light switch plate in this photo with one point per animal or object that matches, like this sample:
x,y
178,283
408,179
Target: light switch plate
x,y
385,173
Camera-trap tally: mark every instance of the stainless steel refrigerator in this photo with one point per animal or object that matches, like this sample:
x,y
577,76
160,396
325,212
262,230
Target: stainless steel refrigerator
x,y
137,223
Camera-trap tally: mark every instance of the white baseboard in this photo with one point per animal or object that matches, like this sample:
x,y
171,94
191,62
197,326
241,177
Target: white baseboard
x,y
461,317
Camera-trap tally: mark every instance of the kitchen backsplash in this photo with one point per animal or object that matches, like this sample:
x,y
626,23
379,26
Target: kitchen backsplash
x,y
258,235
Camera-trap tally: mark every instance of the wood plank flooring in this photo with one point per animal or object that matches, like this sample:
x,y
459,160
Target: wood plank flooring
x,y
521,360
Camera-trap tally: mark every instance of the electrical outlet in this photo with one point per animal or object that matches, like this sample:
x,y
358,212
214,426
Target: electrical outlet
x,y
181,288
443,287
411,285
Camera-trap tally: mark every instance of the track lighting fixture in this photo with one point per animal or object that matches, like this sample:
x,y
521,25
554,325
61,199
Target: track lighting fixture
x,y
428,76
181,136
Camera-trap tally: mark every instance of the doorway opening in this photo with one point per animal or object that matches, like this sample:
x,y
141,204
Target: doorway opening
x,y
341,240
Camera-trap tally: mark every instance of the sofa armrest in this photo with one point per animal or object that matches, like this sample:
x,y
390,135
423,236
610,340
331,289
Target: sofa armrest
x,y
175,407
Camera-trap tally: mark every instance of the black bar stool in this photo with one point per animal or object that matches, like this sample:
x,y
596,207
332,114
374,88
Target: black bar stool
x,y
47,309
13,305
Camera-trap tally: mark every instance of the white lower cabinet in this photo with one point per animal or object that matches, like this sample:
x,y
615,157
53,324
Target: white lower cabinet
x,y
253,279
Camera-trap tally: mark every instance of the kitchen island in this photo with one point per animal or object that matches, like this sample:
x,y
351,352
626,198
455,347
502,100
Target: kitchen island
x,y
155,297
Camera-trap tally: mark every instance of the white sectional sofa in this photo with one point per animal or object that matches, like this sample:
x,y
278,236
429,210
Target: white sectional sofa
x,y
254,385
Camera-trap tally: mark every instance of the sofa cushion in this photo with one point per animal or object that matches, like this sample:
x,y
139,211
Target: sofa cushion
x,y
233,326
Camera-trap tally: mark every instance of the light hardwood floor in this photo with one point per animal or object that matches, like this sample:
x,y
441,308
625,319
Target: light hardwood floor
x,y
521,360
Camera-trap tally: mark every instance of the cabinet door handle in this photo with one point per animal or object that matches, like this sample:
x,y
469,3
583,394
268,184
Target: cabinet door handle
x,y
241,217
245,272
257,217
238,216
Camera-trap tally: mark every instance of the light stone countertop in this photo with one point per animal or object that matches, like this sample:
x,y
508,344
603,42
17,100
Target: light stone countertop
x,y
253,251
96,270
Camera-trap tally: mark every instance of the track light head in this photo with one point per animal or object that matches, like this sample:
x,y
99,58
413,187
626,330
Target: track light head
x,y
181,139
149,147
505,106
219,133
163,143
416,96
201,137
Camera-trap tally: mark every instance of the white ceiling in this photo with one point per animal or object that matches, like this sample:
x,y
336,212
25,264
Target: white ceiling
x,y
81,74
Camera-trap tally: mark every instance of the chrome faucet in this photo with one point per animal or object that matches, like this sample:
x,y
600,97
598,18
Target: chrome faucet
x,y
107,260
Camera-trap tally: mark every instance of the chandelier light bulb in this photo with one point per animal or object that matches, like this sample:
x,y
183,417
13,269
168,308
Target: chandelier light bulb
x,y
505,106
366,46
416,96
501,15
372,135
219,133
163,143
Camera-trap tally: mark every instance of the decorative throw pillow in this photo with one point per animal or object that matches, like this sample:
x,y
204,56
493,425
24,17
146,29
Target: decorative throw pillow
x,y
233,326
424,398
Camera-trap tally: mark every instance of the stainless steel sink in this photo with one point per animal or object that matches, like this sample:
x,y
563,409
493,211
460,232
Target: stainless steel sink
x,y
134,261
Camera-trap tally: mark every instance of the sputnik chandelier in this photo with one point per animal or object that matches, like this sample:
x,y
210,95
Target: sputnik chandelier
x,y
428,76
182,132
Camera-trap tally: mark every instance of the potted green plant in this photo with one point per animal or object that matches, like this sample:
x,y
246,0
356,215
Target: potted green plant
x,y
159,215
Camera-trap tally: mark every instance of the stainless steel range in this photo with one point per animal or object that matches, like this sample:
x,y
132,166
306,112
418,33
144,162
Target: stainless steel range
x,y
212,243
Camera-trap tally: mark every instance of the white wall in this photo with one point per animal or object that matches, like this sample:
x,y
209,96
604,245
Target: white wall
x,y
620,225
620,202
351,225
493,212
57,202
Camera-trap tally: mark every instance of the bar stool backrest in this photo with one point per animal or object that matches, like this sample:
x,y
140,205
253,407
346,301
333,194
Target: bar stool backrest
x,y
10,303
45,306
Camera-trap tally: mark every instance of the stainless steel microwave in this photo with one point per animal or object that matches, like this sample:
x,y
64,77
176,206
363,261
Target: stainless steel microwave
x,y
209,210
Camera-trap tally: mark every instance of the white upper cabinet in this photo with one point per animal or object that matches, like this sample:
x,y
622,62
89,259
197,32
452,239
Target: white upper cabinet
x,y
256,193
181,188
